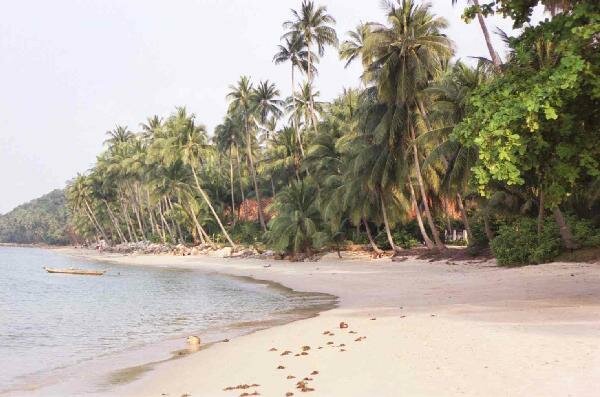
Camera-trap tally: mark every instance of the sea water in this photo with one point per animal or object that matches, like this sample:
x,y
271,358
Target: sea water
x,y
54,322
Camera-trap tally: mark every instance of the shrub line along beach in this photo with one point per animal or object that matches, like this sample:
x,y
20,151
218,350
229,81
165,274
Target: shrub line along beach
x,y
416,328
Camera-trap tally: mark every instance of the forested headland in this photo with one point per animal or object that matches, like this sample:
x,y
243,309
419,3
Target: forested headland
x,y
505,148
44,220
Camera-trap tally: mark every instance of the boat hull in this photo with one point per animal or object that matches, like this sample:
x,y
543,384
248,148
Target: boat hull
x,y
82,272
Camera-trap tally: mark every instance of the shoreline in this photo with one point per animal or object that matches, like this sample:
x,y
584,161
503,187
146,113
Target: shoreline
x,y
133,362
429,329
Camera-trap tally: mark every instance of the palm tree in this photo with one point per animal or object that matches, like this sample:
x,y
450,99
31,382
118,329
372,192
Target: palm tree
x,y
294,51
265,98
352,48
185,141
297,223
406,56
241,99
118,135
486,34
226,137
315,26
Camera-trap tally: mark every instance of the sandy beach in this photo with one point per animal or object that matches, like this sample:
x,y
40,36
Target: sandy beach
x,y
415,328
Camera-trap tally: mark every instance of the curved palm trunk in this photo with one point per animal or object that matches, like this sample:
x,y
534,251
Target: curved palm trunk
x,y
370,237
97,224
261,217
207,201
386,224
132,236
463,215
486,34
428,243
434,231
165,223
150,214
91,219
113,219
233,217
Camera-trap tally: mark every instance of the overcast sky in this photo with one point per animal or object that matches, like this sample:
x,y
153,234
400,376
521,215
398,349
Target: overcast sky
x,y
72,69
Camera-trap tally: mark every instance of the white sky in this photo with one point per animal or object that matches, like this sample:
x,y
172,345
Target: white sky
x,y
72,69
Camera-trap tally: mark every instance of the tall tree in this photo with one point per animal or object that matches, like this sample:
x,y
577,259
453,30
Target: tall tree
x,y
241,98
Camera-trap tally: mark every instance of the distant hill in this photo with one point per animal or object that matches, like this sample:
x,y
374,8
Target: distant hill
x,y
43,220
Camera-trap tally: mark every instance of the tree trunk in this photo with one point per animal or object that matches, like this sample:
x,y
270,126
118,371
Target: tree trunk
x,y
565,231
388,232
114,222
294,118
486,226
493,54
239,169
463,215
434,231
132,236
165,223
233,218
150,215
96,221
207,201
540,221
370,237
137,215
428,243
261,217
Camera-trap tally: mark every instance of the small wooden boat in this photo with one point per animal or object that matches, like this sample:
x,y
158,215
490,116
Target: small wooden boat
x,y
76,271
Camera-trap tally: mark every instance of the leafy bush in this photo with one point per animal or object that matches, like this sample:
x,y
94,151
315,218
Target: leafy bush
x,y
478,240
245,232
404,239
518,243
584,232
296,227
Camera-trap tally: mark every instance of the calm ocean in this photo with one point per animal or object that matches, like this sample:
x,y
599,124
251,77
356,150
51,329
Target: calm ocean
x,y
52,322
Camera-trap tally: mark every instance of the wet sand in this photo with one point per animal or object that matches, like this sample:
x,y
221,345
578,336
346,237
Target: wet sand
x,y
415,328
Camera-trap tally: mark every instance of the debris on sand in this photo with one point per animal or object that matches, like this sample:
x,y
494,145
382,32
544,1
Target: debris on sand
x,y
343,325
241,387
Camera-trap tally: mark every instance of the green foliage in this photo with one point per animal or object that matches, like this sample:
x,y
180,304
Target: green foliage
x,y
585,233
43,220
297,222
537,122
247,233
518,243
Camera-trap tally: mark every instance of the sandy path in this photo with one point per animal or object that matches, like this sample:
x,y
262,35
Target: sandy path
x,y
440,330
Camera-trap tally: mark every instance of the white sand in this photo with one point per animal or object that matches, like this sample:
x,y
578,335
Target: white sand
x,y
440,330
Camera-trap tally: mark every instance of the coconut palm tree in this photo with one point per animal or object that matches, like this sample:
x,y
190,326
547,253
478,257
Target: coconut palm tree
x,y
294,50
315,26
352,48
227,135
266,102
241,99
184,140
406,56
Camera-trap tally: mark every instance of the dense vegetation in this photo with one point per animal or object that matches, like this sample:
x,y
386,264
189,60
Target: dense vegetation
x,y
43,220
506,150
